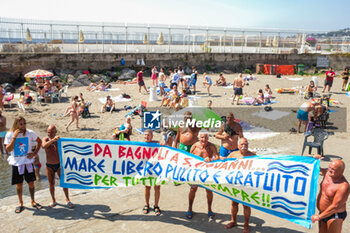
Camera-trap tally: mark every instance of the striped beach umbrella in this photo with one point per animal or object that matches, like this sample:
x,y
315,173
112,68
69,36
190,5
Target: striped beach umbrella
x,y
38,74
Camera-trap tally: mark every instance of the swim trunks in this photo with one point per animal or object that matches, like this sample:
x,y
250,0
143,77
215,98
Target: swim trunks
x,y
238,91
225,152
54,167
302,115
341,215
328,83
142,83
185,147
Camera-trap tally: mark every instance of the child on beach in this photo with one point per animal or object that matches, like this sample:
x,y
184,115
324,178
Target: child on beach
x,y
207,82
162,78
74,112
154,76
260,99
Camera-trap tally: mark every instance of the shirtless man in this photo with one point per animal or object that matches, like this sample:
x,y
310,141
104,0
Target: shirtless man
x,y
241,153
148,136
303,114
53,164
206,150
238,85
331,200
229,133
187,136
109,105
221,81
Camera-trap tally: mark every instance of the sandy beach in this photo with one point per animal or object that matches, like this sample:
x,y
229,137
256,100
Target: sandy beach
x,y
120,209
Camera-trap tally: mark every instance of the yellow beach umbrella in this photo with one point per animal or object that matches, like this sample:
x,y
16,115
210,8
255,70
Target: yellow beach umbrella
x,y
160,40
145,39
81,37
275,41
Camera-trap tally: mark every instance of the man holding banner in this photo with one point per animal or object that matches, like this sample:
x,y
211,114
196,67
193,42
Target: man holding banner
x,y
53,164
148,136
187,136
331,200
228,134
208,152
242,153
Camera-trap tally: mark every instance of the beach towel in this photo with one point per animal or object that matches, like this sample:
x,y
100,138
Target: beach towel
x,y
271,115
250,100
285,90
109,89
294,79
165,89
228,87
115,99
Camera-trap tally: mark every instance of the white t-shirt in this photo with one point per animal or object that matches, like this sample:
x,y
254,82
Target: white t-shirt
x,y
23,146
181,72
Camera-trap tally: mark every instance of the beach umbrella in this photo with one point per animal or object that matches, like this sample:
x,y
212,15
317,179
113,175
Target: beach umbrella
x,y
81,37
160,40
275,41
28,35
268,41
198,113
38,74
145,39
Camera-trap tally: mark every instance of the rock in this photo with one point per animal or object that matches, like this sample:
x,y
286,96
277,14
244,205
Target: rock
x,y
64,71
76,83
10,77
54,78
96,78
127,74
84,79
9,87
188,70
70,79
77,73
114,75
228,72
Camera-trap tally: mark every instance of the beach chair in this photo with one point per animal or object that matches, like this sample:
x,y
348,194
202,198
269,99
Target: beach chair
x,y
8,98
319,137
64,91
56,95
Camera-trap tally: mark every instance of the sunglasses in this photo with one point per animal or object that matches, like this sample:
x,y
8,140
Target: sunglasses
x,y
23,123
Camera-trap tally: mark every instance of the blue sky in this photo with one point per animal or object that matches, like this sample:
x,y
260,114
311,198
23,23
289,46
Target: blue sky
x,y
284,14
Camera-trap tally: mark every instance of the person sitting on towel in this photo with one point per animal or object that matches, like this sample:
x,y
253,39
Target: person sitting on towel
x,y
109,106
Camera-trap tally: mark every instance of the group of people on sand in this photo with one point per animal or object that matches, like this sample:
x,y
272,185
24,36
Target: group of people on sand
x,y
331,200
311,112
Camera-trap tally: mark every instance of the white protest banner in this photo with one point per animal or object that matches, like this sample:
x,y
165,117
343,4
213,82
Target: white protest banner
x,y
284,186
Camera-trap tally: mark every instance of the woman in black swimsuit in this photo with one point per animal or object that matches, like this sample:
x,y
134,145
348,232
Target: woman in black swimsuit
x,y
345,78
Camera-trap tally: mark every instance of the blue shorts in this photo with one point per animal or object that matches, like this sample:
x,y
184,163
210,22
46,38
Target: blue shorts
x,y
161,84
302,115
3,134
194,81
225,152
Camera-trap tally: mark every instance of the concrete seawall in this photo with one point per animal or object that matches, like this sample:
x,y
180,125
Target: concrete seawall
x,y
13,66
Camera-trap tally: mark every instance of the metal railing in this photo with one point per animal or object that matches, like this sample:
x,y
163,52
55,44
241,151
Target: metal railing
x,y
38,36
